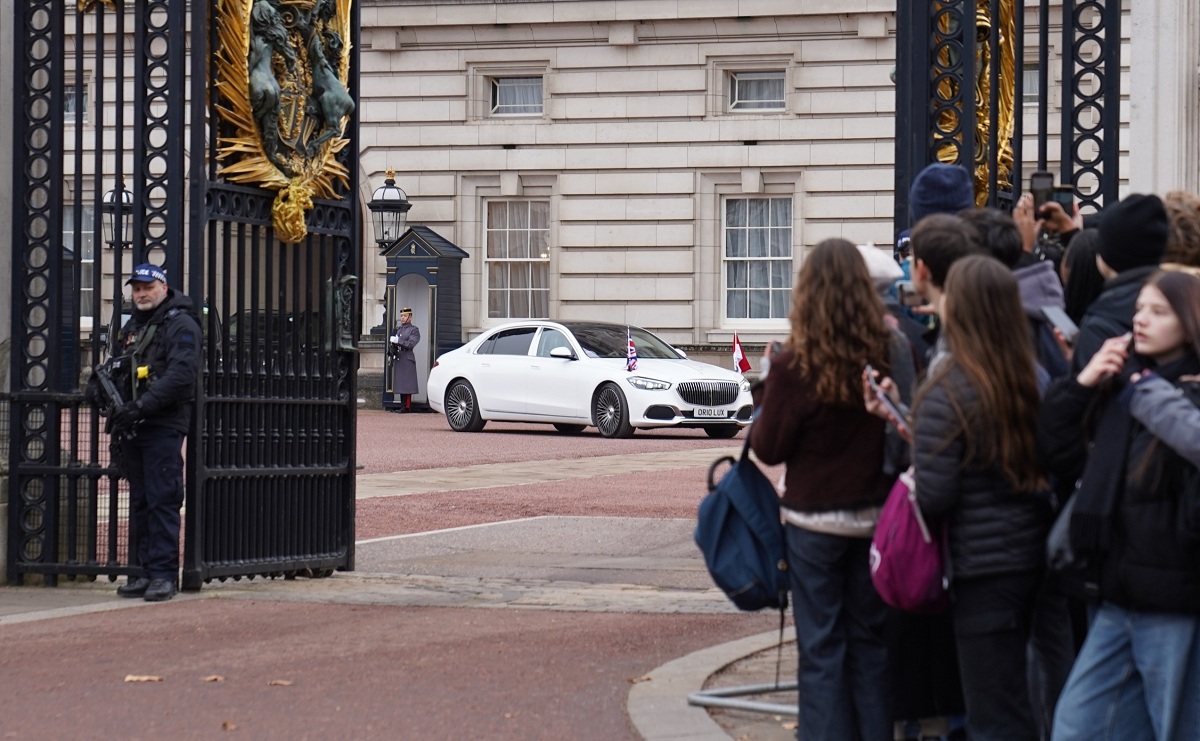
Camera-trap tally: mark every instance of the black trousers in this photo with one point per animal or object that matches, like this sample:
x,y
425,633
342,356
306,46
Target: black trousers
x,y
153,462
991,627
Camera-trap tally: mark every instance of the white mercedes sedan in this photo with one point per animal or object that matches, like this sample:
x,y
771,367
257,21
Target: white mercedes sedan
x,y
573,375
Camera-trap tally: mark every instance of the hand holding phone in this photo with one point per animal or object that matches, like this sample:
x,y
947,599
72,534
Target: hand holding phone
x,y
1060,321
894,413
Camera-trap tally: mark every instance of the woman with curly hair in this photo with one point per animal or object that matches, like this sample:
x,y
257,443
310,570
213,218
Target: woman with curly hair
x,y
812,417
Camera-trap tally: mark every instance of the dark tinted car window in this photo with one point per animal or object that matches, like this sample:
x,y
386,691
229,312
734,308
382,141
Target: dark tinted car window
x,y
609,341
514,341
485,347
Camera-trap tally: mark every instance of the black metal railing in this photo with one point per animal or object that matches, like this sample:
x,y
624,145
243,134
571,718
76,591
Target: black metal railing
x,y
960,89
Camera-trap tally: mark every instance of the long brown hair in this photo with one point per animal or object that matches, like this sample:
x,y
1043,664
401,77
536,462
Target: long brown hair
x,y
988,339
837,322
1182,292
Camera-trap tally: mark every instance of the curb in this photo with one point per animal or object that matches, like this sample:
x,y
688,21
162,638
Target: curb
x,y
658,706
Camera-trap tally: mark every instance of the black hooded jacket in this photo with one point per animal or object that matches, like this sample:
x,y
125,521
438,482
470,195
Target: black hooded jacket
x,y
172,357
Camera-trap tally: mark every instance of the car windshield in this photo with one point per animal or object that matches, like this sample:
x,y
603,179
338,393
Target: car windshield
x,y
609,341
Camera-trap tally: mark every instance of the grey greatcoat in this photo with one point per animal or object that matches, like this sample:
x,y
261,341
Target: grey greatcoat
x,y
404,361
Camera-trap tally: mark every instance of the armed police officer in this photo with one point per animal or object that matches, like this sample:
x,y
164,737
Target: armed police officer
x,y
160,349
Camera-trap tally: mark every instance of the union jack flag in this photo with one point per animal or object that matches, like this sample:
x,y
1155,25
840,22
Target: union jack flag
x,y
631,356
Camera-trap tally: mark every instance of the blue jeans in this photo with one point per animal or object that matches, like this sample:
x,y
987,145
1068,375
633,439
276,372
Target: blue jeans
x,y
839,632
1137,677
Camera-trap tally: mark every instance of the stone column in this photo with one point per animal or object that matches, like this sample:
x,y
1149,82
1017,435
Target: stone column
x,y
1164,96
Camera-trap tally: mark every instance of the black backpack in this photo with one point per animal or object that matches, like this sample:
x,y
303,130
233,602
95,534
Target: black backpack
x,y
740,533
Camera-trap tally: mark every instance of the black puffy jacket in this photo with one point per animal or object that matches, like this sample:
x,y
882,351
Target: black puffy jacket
x,y
1153,561
172,356
993,529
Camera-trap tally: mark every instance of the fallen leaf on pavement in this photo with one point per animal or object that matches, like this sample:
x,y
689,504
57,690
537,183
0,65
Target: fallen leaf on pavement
x,y
280,683
646,678
214,678
228,726
790,725
142,678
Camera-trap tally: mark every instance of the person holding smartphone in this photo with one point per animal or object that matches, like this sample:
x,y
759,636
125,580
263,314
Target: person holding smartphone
x,y
976,471
811,417
1135,521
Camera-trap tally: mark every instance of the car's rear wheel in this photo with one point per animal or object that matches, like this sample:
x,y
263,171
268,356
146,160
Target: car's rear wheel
x,y
610,412
462,408
569,429
721,432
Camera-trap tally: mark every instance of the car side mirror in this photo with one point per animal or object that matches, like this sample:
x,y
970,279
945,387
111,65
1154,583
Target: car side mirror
x,y
562,352
682,354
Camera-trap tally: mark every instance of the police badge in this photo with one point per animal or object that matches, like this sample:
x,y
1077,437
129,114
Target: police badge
x,y
282,70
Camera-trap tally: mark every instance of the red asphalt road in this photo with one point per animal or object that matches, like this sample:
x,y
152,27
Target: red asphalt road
x,y
366,672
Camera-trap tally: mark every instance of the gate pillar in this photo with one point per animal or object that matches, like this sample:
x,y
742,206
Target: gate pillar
x,y
424,273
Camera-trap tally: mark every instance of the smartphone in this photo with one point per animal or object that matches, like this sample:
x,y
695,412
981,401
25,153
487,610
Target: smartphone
x,y
891,406
1064,195
1060,321
1041,185
907,295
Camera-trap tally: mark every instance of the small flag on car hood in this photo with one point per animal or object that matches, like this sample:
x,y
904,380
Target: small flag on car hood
x,y
631,356
740,363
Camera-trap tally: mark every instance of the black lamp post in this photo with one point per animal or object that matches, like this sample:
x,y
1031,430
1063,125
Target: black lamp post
x,y
389,211
117,216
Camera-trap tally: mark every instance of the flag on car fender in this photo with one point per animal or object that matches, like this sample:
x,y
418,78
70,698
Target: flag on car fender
x,y
631,355
739,358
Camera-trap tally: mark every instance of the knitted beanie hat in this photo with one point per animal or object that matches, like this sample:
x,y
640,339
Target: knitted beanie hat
x,y
940,189
1133,232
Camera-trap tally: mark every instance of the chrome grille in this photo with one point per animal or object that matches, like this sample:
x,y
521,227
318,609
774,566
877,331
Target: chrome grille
x,y
708,393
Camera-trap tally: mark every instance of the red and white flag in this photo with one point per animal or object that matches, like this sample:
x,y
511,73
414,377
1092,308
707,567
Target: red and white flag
x,y
739,358
631,356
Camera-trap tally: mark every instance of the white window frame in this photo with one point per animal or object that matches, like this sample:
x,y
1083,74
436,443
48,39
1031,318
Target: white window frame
x,y
75,117
775,235
87,254
737,83
481,78
505,231
501,110
1031,95
724,71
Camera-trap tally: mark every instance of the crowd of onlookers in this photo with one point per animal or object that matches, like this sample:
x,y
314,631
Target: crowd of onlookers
x,y
1016,419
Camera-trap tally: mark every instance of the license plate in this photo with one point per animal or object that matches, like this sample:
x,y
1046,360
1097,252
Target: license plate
x,y
708,413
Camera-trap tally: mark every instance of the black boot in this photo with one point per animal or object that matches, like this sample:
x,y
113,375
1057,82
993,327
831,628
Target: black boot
x,y
133,587
160,590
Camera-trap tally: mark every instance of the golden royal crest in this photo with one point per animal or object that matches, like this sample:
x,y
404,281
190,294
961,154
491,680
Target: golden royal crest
x,y
282,70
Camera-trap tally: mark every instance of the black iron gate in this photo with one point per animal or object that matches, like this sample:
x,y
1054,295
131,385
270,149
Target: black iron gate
x,y
960,90
114,164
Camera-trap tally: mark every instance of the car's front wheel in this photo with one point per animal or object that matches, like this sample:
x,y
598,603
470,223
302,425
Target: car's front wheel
x,y
462,408
569,429
610,413
721,432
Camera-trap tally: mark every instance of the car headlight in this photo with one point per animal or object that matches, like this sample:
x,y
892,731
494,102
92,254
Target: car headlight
x,y
647,384
745,385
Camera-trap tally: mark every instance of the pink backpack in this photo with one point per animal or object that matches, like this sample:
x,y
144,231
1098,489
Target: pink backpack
x,y
906,556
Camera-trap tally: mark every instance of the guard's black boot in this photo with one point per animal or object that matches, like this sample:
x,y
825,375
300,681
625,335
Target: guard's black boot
x,y
160,590
134,587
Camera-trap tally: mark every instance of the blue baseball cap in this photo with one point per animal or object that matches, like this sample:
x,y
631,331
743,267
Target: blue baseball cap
x,y
146,273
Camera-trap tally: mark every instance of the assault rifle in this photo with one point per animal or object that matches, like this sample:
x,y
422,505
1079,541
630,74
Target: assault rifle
x,y
109,398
